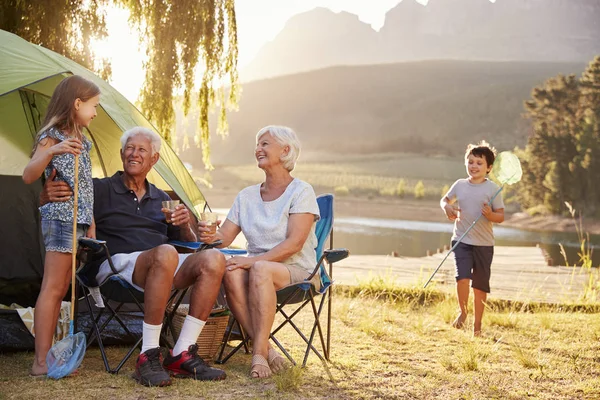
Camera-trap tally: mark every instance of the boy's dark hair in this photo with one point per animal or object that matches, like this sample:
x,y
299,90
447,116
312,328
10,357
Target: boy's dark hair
x,y
482,149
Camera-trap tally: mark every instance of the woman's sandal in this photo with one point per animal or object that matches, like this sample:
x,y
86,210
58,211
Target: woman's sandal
x,y
276,361
258,360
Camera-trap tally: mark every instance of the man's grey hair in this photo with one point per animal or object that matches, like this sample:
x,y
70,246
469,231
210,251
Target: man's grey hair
x,y
285,137
155,140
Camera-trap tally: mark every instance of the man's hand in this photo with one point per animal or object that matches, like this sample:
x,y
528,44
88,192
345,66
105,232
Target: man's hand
x,y
55,191
181,215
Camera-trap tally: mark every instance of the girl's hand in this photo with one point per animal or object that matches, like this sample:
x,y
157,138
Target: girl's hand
x,y
238,262
71,146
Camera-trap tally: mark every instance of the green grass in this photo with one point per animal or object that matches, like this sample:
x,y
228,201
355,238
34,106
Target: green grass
x,y
388,342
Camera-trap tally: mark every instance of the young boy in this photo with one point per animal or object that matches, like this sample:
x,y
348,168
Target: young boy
x,y
464,202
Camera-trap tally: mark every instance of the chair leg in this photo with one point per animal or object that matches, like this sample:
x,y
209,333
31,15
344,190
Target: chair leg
x,y
226,336
96,331
316,326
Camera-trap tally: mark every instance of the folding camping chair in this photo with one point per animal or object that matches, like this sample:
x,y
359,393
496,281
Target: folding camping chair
x,y
304,293
114,294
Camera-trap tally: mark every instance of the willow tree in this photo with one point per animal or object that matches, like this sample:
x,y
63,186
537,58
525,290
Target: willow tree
x,y
179,35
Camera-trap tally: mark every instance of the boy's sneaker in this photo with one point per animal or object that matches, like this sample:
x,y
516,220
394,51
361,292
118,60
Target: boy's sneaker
x,y
189,365
149,370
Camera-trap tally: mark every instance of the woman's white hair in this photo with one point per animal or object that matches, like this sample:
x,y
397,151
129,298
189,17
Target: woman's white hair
x,y
155,140
285,137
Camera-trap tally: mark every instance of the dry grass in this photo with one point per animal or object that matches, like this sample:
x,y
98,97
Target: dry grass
x,y
393,345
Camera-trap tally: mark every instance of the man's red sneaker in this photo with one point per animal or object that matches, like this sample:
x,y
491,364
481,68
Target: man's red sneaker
x,y
149,371
189,364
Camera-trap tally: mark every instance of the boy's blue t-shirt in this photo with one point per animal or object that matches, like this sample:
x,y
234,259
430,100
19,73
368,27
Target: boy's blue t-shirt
x,y
470,198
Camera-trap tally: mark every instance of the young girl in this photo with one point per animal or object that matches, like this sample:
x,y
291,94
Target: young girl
x,y
72,107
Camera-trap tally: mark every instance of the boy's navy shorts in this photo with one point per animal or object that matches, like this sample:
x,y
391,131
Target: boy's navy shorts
x,y
474,263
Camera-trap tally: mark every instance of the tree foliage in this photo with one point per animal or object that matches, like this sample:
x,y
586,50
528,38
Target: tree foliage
x,y
178,36
562,155
66,27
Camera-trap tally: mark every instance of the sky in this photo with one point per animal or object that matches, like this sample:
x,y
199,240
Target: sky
x,y
259,21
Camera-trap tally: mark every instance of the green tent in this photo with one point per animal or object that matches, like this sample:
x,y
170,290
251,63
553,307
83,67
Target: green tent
x,y
28,76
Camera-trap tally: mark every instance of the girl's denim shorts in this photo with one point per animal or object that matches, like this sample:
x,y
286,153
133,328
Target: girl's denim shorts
x,y
58,235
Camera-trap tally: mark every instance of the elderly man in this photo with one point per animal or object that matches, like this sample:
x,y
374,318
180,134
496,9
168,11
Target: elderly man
x,y
127,211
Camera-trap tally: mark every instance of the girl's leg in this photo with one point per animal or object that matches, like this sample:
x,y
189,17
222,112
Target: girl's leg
x,y
479,305
462,293
57,276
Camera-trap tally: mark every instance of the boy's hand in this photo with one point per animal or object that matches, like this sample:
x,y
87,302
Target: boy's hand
x,y
486,210
451,212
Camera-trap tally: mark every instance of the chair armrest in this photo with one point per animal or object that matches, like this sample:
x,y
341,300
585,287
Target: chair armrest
x,y
94,245
193,247
335,255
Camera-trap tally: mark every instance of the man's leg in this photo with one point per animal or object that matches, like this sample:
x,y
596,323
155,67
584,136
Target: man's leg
x,y
202,271
154,270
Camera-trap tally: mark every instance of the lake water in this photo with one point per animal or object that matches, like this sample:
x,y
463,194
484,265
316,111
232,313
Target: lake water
x,y
414,238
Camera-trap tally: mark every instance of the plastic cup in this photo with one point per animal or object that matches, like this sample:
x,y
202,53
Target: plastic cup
x,y
170,205
211,221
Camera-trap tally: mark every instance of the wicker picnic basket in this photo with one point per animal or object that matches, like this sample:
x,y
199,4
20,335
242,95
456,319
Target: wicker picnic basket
x,y
211,337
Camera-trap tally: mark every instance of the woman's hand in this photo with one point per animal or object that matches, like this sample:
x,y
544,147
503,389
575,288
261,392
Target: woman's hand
x,y
204,232
238,262
71,145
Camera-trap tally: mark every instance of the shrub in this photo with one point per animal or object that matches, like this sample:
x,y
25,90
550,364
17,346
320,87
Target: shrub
x,y
419,190
401,188
341,190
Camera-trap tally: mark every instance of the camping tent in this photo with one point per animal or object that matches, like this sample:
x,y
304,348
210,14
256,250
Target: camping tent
x,y
28,76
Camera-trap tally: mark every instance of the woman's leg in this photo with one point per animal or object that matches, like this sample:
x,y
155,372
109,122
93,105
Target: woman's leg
x,y
57,275
236,290
265,279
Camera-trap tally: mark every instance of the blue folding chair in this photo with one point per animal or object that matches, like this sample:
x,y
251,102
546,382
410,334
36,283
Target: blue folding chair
x,y
304,293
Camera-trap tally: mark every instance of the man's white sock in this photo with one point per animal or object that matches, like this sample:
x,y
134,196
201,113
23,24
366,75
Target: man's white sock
x,y
150,336
189,334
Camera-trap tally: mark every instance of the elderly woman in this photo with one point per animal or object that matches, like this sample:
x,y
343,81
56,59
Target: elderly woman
x,y
277,217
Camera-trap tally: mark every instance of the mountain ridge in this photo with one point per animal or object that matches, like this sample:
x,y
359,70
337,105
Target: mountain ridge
x,y
507,30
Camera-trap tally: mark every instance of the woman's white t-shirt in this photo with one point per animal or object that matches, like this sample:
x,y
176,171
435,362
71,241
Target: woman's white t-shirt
x,y
265,223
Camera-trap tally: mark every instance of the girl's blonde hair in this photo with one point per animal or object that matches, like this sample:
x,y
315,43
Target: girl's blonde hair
x,y
61,110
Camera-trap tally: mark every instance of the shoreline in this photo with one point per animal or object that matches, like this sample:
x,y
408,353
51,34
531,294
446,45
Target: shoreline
x,y
409,209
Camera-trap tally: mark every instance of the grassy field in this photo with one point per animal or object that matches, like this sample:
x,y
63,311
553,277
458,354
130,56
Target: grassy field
x,y
388,345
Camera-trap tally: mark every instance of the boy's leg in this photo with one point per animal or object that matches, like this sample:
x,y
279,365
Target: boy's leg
x,y
55,283
478,305
463,261
482,262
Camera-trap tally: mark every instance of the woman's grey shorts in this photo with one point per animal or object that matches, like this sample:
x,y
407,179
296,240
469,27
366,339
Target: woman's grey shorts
x,y
475,263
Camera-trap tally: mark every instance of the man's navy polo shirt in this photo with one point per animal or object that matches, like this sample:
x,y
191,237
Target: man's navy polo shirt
x,y
129,224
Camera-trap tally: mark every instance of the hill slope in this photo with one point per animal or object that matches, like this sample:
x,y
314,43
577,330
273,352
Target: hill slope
x,y
429,107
